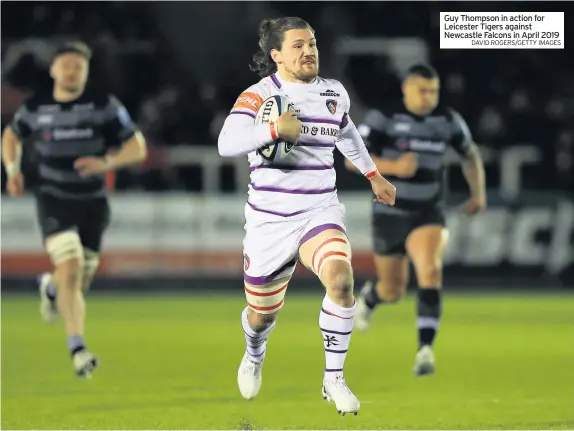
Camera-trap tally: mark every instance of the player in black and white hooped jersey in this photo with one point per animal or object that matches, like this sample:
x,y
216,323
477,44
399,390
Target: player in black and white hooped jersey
x,y
407,142
70,133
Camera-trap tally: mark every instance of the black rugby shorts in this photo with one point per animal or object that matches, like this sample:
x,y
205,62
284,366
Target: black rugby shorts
x,y
390,231
90,218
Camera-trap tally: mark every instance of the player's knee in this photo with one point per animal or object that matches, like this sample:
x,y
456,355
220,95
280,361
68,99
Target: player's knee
x,y
337,276
260,322
266,299
389,294
91,264
64,246
67,255
392,287
332,253
429,274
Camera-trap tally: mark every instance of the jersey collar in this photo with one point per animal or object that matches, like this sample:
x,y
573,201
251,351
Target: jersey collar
x,y
278,82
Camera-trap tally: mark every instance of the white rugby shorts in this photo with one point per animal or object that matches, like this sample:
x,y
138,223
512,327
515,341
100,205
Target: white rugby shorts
x,y
271,243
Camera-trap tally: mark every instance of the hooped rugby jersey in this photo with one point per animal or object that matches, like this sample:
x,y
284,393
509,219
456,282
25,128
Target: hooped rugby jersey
x,y
390,133
305,180
58,133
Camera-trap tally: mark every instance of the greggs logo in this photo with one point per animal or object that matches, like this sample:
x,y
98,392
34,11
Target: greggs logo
x,y
251,101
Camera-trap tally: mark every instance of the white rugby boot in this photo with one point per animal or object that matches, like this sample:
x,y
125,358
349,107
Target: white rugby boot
x,y
364,313
250,376
48,306
335,389
84,363
424,361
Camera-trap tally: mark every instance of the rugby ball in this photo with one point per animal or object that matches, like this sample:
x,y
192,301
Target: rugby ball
x,y
271,109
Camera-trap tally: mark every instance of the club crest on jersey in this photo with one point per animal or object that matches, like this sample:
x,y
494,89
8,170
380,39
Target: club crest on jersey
x,y
331,106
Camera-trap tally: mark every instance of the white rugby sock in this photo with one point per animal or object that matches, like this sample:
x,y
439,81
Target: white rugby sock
x,y
256,341
336,324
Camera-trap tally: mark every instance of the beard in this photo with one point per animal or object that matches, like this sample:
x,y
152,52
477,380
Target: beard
x,y
308,75
305,74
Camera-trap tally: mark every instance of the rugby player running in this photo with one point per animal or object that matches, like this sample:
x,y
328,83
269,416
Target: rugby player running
x,y
69,133
407,142
293,213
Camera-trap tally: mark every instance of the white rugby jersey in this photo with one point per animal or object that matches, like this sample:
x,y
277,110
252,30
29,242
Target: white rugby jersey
x,y
305,180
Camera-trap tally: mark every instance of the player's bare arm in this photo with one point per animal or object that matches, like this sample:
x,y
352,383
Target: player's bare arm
x,y
404,167
11,156
384,191
11,151
473,169
132,152
373,132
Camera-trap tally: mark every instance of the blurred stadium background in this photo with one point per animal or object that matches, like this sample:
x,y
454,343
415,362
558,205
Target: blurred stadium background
x,y
178,219
181,215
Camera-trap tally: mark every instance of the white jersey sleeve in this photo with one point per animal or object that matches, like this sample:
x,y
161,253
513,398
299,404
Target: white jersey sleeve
x,y
350,143
239,135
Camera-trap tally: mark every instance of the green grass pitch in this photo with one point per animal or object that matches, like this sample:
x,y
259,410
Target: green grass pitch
x,y
170,362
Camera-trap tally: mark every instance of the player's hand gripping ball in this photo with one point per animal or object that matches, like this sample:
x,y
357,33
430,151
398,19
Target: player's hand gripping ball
x,y
281,112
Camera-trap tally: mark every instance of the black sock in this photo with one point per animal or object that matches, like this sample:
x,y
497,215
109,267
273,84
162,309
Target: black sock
x,y
51,292
76,343
372,297
429,310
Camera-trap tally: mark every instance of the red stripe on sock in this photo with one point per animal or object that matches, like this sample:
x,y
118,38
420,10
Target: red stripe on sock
x,y
335,315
